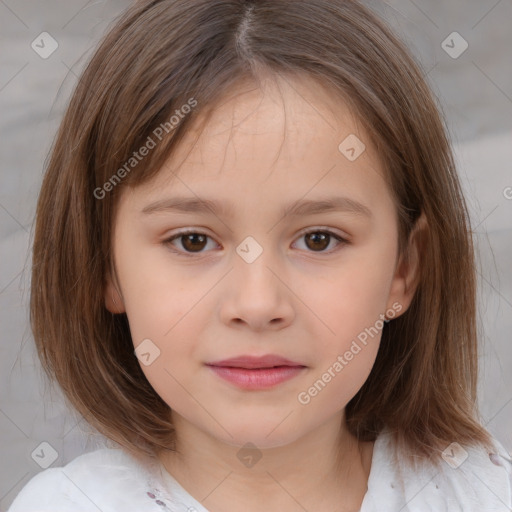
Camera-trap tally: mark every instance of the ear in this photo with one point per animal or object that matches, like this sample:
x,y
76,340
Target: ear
x,y
408,270
113,298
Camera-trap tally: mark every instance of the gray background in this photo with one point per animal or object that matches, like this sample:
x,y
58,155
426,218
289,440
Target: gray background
x,y
475,93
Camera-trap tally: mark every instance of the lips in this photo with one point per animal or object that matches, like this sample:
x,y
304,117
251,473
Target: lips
x,y
253,362
252,373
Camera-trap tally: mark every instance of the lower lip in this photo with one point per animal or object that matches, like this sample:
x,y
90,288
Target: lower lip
x,y
262,378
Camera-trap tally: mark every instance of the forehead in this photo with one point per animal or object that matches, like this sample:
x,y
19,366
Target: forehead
x,y
281,137
288,113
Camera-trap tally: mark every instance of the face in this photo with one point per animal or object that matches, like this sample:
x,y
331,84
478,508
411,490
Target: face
x,y
254,277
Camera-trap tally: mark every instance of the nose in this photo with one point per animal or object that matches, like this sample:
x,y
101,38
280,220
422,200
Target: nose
x,y
257,296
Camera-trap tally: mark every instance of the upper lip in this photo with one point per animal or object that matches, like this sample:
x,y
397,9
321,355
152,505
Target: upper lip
x,y
267,361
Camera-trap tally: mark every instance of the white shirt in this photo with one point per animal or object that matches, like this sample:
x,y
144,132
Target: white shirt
x,y
110,480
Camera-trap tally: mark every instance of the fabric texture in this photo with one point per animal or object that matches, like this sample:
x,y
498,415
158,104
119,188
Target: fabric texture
x,y
111,480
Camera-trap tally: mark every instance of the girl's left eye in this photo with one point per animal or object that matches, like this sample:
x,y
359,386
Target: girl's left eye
x,y
194,242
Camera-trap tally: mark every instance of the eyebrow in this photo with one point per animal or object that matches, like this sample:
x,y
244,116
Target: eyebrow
x,y
297,208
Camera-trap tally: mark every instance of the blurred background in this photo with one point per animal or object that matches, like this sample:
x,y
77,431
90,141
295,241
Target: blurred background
x,y
463,48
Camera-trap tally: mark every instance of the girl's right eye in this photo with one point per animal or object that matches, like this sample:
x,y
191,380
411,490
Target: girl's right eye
x,y
192,241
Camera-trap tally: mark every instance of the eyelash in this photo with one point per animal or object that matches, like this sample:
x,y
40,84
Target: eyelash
x,y
168,242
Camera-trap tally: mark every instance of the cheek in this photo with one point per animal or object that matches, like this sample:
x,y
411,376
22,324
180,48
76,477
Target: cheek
x,y
329,391
167,304
169,319
348,323
349,303
157,294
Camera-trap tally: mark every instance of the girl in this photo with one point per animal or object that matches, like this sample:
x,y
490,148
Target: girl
x,y
253,271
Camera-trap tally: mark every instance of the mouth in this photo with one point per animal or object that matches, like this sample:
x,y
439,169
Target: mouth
x,y
255,373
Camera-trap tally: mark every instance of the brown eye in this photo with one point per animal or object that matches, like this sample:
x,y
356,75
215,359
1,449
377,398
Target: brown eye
x,y
188,243
193,241
319,241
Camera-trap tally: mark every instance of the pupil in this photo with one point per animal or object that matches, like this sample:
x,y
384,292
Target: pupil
x,y
318,237
194,241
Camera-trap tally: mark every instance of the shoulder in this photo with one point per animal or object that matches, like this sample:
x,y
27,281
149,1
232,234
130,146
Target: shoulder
x,y
107,479
469,479
482,478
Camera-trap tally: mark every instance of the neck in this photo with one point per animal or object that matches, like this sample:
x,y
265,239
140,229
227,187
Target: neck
x,y
326,466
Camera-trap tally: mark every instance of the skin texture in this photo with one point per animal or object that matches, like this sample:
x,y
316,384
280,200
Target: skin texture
x,y
263,149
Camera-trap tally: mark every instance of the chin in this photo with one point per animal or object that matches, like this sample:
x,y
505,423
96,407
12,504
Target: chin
x,y
262,435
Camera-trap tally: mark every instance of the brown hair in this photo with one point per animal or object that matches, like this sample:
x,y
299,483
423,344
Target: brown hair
x,y
159,55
